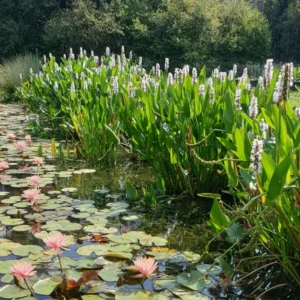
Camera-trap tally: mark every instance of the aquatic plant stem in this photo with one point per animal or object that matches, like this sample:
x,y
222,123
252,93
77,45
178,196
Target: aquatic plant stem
x,y
60,263
29,288
142,284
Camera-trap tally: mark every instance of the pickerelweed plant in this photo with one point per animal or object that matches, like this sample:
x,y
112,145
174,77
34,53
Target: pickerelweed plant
x,y
263,175
179,122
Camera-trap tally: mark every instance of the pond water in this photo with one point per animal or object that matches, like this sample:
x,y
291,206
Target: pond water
x,y
88,203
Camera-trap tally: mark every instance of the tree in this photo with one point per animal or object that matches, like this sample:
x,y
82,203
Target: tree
x,y
82,25
22,24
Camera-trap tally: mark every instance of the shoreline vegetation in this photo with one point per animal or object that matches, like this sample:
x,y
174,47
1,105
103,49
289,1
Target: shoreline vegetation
x,y
171,171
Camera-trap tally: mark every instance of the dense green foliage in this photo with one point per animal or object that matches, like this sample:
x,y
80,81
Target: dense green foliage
x,y
204,31
284,19
199,134
22,24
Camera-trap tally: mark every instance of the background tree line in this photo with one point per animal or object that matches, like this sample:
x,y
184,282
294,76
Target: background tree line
x,y
186,31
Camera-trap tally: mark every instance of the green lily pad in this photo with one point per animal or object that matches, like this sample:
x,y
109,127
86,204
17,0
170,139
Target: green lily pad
x,y
7,278
92,297
42,257
89,249
194,280
84,171
70,190
61,225
8,245
148,240
3,193
6,265
26,249
140,295
4,252
184,257
32,216
209,269
12,222
109,275
168,283
50,206
190,296
130,218
45,286
10,201
99,228
80,216
22,228
22,205
121,255
13,292
54,192
67,263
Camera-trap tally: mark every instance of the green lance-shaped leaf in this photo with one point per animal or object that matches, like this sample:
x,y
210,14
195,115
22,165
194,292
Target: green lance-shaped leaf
x,y
131,192
278,180
217,217
228,114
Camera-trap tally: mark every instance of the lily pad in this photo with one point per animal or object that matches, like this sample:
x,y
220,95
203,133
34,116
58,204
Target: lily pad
x,y
12,222
140,295
13,292
121,255
22,228
194,280
70,190
89,249
6,265
92,297
80,216
45,286
24,250
209,269
67,263
99,228
84,171
130,218
109,275
7,278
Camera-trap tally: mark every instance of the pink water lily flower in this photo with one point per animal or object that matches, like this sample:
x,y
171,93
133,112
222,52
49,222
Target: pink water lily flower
x,y
146,266
21,145
35,180
23,269
56,241
11,136
38,161
31,195
28,139
4,165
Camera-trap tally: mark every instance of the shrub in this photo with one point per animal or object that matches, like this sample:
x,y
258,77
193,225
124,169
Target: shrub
x,y
16,70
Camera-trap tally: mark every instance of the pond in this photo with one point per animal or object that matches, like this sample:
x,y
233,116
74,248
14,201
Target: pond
x,y
106,231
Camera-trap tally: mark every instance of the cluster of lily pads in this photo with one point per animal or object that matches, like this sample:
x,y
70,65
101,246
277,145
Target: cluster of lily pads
x,y
98,258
